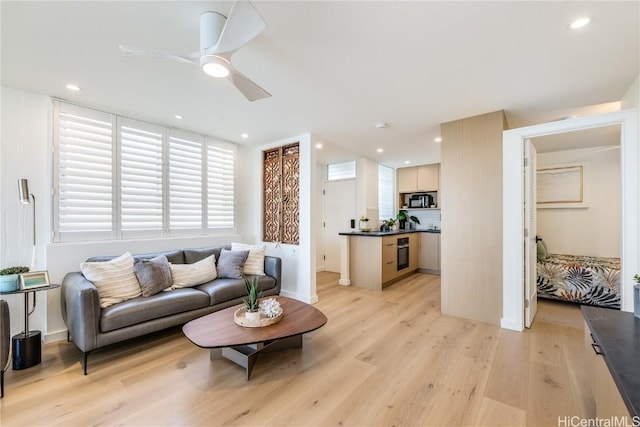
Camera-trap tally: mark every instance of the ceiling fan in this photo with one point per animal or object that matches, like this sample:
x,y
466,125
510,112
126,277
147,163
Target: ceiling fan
x,y
220,38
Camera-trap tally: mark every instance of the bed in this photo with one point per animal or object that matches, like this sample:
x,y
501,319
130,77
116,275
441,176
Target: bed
x,y
580,279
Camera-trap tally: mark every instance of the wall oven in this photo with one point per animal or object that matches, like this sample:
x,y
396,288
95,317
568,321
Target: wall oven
x,y
403,253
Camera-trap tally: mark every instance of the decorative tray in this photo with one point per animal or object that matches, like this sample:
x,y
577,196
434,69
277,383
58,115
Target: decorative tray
x,y
240,319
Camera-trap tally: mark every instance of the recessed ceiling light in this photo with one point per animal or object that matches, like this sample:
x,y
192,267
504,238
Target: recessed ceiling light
x,y
379,150
580,22
406,162
319,145
73,87
178,116
438,139
380,125
245,135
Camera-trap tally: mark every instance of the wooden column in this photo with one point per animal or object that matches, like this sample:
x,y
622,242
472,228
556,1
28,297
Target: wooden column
x,y
471,202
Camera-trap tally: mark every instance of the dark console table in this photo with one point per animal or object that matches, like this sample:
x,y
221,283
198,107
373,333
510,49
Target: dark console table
x,y
27,346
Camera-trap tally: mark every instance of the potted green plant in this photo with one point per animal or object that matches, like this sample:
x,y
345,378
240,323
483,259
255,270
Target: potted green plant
x,y
9,278
252,300
636,296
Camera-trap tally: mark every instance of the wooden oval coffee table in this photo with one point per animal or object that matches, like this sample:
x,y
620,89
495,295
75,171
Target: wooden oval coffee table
x,y
218,332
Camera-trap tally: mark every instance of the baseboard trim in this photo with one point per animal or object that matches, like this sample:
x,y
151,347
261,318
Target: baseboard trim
x,y
56,336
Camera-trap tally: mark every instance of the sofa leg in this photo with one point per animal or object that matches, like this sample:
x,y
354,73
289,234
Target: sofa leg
x,y
85,355
68,336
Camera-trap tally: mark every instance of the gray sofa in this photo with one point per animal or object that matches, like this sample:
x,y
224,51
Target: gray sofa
x,y
92,327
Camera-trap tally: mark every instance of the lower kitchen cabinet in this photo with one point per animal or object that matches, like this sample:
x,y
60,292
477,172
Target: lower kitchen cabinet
x,y
373,258
608,400
430,253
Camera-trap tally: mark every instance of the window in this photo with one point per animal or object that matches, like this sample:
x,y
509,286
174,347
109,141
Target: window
x,y
117,177
386,198
338,171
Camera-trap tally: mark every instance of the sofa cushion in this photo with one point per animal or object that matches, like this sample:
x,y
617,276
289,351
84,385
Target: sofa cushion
x,y
222,290
115,279
174,256
138,310
192,255
153,274
231,264
186,275
255,261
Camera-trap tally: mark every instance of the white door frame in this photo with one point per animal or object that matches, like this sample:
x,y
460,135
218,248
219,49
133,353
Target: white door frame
x,y
513,200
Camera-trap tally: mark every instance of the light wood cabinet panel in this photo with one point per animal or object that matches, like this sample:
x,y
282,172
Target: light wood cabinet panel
x,y
389,258
407,180
608,400
373,261
424,178
430,252
428,177
471,196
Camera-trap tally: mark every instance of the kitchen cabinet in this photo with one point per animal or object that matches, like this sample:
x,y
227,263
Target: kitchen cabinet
x,y
424,178
373,258
430,253
428,177
608,400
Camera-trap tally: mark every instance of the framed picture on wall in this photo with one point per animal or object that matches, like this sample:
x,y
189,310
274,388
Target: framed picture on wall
x,y
560,185
35,279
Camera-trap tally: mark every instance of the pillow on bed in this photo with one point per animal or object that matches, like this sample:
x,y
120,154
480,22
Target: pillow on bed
x,y
542,251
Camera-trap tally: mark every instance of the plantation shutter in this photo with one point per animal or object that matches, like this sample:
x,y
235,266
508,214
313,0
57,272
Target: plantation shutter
x,y
386,195
141,172
185,181
220,178
344,170
83,184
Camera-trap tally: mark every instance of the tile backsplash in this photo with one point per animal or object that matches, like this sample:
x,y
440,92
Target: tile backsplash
x,y
429,218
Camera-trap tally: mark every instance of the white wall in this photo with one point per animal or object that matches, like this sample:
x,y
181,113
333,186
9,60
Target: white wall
x,y
631,98
24,153
595,229
298,261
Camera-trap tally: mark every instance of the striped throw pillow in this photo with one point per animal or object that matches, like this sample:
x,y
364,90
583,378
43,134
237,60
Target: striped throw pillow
x,y
115,279
187,275
255,261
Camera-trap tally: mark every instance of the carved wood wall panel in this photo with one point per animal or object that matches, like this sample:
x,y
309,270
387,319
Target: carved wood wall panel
x,y
281,192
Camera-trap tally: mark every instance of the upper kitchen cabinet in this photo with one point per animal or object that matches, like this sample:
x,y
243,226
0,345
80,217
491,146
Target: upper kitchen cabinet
x,y
424,178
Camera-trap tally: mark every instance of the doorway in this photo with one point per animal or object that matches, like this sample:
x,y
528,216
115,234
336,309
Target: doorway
x,y
339,209
513,200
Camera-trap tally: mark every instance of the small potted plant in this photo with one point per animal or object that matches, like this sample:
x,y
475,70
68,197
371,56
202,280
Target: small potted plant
x,y
364,223
252,300
9,278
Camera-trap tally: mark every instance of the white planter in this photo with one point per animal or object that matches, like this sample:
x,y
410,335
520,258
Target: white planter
x,y
253,316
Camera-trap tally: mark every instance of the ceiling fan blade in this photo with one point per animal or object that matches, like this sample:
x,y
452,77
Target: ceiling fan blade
x,y
159,54
243,24
249,89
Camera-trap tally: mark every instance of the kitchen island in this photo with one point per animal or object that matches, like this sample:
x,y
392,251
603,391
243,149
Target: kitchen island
x,y
376,259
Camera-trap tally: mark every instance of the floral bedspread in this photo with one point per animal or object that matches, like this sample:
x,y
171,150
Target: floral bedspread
x,y
582,279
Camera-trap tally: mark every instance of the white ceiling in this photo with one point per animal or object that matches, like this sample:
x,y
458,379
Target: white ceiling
x,y
333,68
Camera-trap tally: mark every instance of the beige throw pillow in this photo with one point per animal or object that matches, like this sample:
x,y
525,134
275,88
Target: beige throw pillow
x,y
187,275
255,262
116,279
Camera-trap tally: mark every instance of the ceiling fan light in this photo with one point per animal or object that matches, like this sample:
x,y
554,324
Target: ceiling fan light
x,y
215,69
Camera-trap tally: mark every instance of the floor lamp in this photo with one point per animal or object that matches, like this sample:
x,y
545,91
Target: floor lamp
x,y
27,346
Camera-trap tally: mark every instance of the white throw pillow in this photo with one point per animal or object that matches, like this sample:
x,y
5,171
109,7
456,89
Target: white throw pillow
x,y
197,273
255,261
115,279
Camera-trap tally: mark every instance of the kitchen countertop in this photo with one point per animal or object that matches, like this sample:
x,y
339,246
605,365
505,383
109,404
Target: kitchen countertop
x,y
618,335
384,233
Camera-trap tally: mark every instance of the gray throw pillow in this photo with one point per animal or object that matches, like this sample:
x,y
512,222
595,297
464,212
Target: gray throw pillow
x,y
153,274
542,250
231,264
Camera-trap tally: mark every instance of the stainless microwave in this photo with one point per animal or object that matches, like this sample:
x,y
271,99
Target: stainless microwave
x,y
416,202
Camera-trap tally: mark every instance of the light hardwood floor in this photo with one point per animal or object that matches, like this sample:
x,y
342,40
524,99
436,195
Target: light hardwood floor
x,y
385,358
